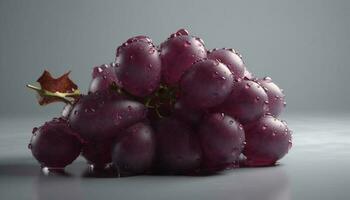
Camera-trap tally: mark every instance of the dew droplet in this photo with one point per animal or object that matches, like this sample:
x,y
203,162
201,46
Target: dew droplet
x,y
30,146
266,78
247,86
35,129
187,43
129,108
264,127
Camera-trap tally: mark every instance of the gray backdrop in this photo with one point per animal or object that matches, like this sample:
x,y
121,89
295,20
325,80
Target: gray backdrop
x,y
303,45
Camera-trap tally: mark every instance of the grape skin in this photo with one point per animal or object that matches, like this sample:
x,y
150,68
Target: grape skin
x,y
222,141
178,53
134,153
247,101
231,59
54,144
206,84
97,117
268,140
139,67
275,95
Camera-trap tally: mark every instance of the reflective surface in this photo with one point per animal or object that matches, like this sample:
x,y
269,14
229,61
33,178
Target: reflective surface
x,y
316,168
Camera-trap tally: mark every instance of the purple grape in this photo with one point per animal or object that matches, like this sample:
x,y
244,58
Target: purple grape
x,y
247,101
268,140
134,153
98,154
222,141
54,144
206,84
102,78
101,116
178,149
275,94
231,59
178,53
139,66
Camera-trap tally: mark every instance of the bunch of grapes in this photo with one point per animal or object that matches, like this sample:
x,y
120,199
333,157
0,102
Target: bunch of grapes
x,y
176,108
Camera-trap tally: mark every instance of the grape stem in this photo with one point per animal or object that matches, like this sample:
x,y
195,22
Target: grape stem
x,y
66,97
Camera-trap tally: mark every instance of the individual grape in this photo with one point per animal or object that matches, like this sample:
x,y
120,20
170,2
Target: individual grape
x,y
102,78
268,140
178,53
101,116
247,101
178,149
231,59
54,144
134,153
98,154
139,66
222,141
275,94
206,84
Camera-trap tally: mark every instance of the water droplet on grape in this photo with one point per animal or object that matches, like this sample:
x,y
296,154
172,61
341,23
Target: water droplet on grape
x,y
264,127
247,86
187,43
34,129
267,78
290,144
284,104
151,50
182,32
129,108
29,146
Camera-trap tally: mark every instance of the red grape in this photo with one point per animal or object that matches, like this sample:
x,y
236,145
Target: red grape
x,y
268,140
275,94
222,141
247,101
178,53
231,59
206,84
139,66
54,144
102,78
178,149
134,153
100,116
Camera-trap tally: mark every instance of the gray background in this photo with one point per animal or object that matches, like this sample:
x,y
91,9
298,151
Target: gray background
x,y
303,45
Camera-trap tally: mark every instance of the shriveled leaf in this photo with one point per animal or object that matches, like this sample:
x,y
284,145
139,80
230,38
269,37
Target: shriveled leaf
x,y
61,89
